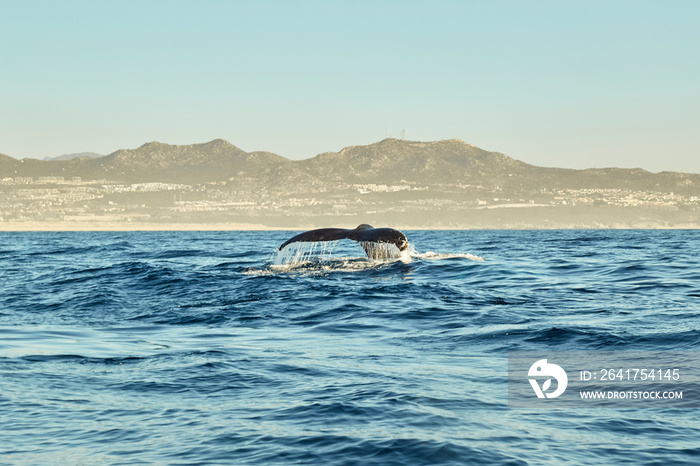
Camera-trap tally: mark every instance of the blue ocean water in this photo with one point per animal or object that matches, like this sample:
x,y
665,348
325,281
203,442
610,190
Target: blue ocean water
x,y
194,348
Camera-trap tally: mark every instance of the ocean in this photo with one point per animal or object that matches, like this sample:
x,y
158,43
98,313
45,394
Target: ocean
x,y
196,348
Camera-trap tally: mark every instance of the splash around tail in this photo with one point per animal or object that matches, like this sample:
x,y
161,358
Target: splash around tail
x,y
305,252
380,244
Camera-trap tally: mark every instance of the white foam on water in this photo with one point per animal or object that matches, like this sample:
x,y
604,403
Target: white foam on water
x,y
316,257
430,255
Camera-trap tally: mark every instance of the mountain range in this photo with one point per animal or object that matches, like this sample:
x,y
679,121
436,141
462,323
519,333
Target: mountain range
x,y
390,162
91,155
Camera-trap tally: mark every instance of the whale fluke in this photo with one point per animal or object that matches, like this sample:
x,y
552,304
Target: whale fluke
x,y
370,238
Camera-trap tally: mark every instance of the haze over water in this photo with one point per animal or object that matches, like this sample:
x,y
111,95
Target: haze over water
x,y
194,347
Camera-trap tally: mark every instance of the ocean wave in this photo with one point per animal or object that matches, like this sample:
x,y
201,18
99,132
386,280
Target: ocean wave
x,y
195,347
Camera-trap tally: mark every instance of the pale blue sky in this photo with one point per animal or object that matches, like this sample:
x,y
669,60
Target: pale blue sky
x,y
554,83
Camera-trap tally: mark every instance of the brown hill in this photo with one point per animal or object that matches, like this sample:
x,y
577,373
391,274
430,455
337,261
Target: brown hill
x,y
196,163
390,161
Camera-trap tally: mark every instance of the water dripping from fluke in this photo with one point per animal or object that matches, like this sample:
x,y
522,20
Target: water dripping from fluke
x,y
299,253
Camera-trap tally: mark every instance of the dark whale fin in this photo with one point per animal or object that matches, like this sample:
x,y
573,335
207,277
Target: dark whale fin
x,y
366,235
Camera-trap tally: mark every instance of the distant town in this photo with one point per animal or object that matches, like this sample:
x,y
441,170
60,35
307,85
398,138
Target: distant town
x,y
54,199
491,191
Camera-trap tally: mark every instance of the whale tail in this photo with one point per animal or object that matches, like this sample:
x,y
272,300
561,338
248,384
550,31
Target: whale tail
x,y
378,243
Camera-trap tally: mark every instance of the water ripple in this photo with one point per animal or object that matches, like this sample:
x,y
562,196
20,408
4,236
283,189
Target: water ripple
x,y
191,347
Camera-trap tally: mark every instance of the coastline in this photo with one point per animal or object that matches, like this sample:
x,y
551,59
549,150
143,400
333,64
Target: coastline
x,y
126,226
84,226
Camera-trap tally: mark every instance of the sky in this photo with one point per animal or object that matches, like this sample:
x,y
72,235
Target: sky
x,y
572,84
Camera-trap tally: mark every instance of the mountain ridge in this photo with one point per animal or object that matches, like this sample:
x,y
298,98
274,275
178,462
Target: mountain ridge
x,y
389,161
92,155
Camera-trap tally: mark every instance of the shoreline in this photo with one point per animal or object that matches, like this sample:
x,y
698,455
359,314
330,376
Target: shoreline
x,y
97,226
124,226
